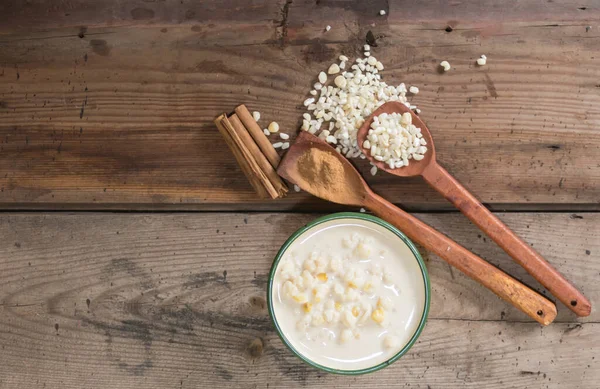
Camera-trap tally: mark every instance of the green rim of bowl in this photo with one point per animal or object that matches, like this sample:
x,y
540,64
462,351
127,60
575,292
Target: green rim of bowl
x,y
382,223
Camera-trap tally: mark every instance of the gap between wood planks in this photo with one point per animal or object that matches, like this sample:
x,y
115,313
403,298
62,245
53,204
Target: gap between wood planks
x,y
428,319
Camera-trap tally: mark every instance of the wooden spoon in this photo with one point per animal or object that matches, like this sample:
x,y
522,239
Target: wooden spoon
x,y
453,191
353,190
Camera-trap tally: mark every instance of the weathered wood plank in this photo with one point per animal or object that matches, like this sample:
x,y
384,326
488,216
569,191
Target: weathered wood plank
x,y
41,15
169,300
122,117
46,14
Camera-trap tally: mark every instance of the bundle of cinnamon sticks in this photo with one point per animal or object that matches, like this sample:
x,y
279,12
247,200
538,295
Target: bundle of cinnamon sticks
x,y
253,152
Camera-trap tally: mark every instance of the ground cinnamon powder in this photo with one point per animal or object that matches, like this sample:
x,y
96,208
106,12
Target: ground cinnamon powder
x,y
324,176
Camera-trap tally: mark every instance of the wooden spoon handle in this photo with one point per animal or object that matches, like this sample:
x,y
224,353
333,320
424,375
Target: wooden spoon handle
x,y
527,300
520,251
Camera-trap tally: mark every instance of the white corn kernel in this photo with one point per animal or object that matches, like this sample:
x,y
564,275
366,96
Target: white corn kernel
x,y
300,298
317,319
363,250
346,335
308,279
335,264
309,101
322,77
273,127
256,115
322,262
340,82
333,69
348,319
391,342
310,265
378,315
288,270
374,170
289,289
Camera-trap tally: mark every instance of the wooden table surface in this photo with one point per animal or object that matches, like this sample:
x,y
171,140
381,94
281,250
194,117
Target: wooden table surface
x,y
106,107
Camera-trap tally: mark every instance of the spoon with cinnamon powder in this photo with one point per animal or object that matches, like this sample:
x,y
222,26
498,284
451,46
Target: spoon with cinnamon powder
x,y
453,191
317,168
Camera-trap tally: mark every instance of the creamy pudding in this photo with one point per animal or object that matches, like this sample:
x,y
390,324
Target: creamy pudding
x,y
348,294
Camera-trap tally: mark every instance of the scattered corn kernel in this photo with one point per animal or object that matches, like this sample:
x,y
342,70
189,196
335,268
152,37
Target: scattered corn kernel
x,y
273,127
256,115
333,69
322,277
355,311
322,77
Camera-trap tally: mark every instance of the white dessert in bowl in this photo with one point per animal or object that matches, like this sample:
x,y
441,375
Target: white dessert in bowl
x,y
348,293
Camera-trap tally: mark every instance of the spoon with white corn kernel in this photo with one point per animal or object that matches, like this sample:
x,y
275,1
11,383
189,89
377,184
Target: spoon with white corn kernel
x,y
425,165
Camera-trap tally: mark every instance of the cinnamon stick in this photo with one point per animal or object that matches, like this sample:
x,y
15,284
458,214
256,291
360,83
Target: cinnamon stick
x,y
257,134
259,157
248,157
252,177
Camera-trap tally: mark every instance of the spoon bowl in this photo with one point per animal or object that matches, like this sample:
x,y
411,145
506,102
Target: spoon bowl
x,y
414,168
290,169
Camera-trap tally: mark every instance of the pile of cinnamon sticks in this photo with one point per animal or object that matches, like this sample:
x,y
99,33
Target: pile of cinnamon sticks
x,y
253,152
